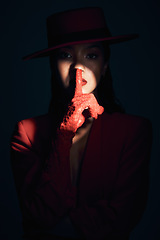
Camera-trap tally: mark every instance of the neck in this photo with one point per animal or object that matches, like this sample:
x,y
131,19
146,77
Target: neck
x,y
83,130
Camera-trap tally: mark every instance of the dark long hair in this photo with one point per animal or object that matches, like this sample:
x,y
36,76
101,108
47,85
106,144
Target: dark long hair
x,y
106,95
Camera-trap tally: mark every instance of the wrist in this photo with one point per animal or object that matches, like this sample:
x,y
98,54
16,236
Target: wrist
x,y
65,135
64,140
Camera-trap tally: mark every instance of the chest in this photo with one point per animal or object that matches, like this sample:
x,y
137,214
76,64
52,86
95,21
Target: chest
x,y
94,164
77,152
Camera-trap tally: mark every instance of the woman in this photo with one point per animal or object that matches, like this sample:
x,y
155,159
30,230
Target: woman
x,y
81,171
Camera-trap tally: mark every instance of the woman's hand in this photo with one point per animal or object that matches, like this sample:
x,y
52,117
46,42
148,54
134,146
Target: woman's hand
x,y
80,102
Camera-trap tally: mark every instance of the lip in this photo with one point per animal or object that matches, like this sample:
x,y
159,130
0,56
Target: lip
x,y
84,82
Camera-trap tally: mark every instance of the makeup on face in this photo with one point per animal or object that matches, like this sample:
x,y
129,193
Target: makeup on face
x,y
88,57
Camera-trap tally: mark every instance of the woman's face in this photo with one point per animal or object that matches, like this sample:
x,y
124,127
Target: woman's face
x,y
88,57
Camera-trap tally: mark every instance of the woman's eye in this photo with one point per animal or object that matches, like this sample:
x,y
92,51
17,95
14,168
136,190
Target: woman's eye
x,y
64,55
92,56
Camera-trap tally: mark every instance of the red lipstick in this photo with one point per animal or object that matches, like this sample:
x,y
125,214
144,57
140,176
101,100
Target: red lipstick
x,y
84,82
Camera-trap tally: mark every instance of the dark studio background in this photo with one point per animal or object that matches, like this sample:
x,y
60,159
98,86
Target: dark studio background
x,y
25,86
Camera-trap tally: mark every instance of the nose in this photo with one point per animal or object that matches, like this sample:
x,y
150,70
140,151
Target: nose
x,y
78,63
73,69
79,66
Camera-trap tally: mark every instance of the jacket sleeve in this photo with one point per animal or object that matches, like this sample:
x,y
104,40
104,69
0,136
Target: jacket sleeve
x,y
42,200
116,217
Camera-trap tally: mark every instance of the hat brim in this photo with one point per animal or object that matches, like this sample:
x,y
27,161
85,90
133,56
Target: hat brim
x,y
110,40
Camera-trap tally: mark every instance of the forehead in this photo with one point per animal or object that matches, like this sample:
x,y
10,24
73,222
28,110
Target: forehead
x,y
97,45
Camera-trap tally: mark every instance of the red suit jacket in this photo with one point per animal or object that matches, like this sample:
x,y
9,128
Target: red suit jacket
x,y
112,190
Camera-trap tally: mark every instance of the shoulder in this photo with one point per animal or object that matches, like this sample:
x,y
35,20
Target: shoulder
x,y
33,131
122,118
126,126
125,121
39,123
127,136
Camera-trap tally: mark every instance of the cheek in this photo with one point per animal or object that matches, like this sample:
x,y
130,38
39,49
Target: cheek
x,y
97,71
93,79
63,71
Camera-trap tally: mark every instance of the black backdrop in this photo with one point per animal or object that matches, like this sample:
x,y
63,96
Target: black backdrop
x,y
25,86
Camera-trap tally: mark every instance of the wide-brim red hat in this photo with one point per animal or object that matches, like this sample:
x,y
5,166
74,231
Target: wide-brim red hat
x,y
84,25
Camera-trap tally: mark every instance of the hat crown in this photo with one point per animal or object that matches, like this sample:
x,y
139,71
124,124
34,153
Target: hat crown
x,y
77,20
77,26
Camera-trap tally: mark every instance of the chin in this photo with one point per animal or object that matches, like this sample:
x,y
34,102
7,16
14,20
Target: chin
x,y
87,90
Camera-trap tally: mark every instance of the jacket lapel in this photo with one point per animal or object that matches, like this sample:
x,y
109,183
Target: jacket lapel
x,y
90,176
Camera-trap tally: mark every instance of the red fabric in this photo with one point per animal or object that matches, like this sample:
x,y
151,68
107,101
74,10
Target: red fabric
x,y
112,190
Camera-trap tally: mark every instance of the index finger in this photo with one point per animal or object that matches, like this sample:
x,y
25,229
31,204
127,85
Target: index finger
x,y
78,88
